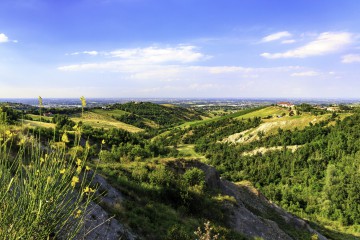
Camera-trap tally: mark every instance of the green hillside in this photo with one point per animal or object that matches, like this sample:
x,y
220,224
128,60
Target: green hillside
x,y
307,164
99,120
159,114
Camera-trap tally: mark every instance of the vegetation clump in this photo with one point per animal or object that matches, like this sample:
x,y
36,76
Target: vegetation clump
x,y
43,193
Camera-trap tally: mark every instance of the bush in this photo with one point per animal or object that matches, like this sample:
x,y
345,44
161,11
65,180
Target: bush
x,y
41,194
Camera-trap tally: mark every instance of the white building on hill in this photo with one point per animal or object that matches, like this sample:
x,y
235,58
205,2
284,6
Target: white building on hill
x,y
285,104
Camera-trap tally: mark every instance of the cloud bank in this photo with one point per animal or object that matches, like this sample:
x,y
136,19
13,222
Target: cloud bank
x,y
325,43
351,58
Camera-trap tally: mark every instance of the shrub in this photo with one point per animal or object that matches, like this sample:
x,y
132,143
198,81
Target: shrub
x,y
41,193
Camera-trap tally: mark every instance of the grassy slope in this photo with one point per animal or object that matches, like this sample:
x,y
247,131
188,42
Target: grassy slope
x,y
188,151
239,114
103,121
110,113
37,117
270,126
38,124
264,112
118,113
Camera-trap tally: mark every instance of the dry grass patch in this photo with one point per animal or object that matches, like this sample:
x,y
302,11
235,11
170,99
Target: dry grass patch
x,y
96,120
30,123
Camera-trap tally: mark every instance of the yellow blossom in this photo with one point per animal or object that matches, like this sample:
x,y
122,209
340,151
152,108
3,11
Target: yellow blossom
x,y
103,141
62,171
87,168
78,169
22,141
8,133
74,180
65,138
88,190
78,213
78,162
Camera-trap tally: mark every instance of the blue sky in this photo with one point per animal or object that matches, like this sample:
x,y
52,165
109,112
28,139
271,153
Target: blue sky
x,y
180,48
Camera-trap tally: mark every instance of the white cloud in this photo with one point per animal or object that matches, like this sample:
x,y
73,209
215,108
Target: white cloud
x,y
350,58
3,38
276,36
288,41
325,43
305,74
228,69
139,59
92,53
151,55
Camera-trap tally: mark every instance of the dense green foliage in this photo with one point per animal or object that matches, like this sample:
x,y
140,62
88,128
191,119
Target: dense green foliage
x,y
8,115
320,180
162,115
132,119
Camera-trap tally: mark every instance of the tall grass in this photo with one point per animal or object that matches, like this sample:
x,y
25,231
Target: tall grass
x,y
43,192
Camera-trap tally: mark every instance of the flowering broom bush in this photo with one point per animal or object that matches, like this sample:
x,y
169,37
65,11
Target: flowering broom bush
x,y
42,193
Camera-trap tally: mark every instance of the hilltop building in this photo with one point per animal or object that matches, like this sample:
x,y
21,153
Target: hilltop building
x,y
285,104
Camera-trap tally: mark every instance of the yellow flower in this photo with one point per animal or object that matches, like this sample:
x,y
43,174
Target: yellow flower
x,y
62,171
8,133
78,213
88,190
65,138
103,141
87,168
78,169
42,160
74,180
78,162
22,141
